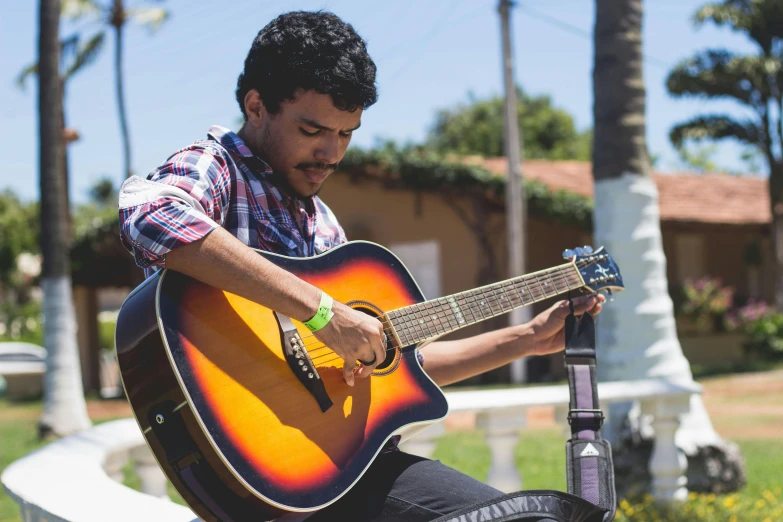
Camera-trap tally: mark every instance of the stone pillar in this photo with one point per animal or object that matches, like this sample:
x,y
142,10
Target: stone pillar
x,y
668,463
501,431
153,480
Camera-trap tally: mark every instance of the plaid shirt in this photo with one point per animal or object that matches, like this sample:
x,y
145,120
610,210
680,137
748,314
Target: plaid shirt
x,y
219,182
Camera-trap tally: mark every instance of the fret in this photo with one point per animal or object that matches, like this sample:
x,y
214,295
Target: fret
x,y
540,293
421,322
446,314
503,300
433,318
494,300
476,298
413,324
516,300
466,305
392,319
484,304
456,310
562,277
551,285
516,289
401,327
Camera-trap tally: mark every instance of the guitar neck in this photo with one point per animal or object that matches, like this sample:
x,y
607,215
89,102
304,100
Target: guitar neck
x,y
430,319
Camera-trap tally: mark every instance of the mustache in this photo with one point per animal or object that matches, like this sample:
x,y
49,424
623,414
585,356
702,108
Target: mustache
x,y
317,165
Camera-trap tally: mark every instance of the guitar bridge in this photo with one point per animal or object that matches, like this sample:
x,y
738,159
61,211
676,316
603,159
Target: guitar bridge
x,y
300,363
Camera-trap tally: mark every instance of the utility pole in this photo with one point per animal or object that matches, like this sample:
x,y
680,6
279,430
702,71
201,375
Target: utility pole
x,y
515,196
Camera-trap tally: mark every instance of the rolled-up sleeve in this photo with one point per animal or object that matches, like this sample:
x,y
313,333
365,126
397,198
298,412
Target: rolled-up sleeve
x,y
180,202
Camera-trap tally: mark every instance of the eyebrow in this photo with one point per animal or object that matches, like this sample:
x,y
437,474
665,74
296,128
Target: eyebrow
x,y
313,123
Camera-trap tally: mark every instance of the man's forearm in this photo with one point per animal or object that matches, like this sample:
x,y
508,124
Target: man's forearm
x,y
447,362
222,261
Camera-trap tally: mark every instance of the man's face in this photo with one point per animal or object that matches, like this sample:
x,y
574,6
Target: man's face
x,y
304,141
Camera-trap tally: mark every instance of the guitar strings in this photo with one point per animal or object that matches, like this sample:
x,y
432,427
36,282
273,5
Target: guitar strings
x,y
316,345
338,358
562,277
559,273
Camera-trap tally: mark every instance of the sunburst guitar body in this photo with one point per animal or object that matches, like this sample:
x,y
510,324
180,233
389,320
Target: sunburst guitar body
x,y
248,414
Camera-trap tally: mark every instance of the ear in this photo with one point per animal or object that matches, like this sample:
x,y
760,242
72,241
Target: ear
x,y
254,107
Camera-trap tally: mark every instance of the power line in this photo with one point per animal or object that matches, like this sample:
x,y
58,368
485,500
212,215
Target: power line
x,y
430,35
578,31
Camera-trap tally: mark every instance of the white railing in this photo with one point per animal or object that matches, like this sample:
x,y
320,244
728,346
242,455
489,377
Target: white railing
x,y
502,413
78,478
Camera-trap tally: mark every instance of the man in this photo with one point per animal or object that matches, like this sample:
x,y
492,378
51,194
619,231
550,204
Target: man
x,y
306,81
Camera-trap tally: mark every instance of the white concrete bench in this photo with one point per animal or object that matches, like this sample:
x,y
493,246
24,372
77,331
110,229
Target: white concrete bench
x,y
22,365
78,478
502,413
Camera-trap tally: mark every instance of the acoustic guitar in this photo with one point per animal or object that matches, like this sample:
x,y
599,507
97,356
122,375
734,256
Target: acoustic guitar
x,y
247,412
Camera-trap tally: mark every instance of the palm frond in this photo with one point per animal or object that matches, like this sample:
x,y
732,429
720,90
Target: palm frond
x,y
21,79
78,9
85,54
150,17
717,127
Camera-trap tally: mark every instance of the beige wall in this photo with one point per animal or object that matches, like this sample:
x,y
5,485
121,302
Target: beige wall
x,y
368,211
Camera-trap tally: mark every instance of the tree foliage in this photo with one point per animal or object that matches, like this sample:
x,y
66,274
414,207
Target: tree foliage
x,y
477,128
755,81
423,170
19,228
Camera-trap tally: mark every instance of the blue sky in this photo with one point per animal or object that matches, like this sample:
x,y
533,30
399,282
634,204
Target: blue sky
x,y
430,54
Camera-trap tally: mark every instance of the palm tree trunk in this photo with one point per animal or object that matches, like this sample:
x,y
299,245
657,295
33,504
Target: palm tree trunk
x,y
66,187
776,208
64,408
638,337
120,95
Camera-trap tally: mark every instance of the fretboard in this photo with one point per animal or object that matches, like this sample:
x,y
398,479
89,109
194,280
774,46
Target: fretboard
x,y
422,321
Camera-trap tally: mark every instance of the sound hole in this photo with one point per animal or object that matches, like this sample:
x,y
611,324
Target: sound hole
x,y
391,350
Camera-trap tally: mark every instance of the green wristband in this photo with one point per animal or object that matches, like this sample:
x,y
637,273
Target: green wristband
x,y
323,315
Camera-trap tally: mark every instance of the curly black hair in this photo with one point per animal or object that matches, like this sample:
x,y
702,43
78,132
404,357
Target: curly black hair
x,y
312,51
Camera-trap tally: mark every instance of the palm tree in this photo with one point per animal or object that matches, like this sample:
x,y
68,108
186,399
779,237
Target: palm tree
x,y
74,57
753,80
65,410
114,16
638,338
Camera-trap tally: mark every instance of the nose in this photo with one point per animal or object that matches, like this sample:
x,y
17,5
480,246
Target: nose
x,y
328,150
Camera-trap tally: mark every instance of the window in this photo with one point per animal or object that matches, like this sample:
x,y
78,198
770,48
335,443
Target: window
x,y
422,258
689,256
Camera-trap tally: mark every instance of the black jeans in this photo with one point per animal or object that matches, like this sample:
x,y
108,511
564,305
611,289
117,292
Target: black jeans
x,y
399,486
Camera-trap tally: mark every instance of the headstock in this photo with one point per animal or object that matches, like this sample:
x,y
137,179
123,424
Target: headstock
x,y
598,269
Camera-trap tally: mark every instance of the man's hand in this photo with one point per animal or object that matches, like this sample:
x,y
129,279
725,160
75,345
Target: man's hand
x,y
548,326
354,335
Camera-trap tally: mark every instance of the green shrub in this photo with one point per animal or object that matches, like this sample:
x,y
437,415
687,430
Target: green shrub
x,y
763,329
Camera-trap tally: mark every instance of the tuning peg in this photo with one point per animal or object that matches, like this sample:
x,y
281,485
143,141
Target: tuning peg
x,y
568,253
579,251
609,295
587,249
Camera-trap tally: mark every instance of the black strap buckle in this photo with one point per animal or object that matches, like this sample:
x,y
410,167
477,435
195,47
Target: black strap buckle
x,y
593,423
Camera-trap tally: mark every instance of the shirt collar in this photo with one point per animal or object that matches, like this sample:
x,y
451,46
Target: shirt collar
x,y
233,143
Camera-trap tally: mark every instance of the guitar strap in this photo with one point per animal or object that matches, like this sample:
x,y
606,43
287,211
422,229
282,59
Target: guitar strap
x,y
591,494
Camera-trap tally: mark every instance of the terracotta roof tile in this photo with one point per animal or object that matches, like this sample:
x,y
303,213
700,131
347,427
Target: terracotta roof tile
x,y
709,198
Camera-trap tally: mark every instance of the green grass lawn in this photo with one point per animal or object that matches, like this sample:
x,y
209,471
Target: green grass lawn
x,y
540,457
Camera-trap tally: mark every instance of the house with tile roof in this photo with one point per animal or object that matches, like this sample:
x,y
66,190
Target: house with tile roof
x,y
712,225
